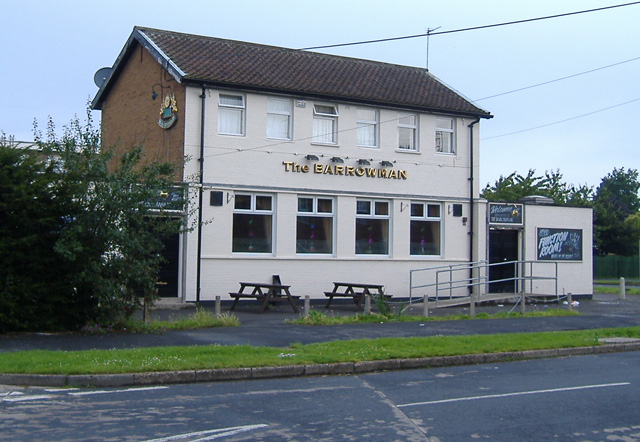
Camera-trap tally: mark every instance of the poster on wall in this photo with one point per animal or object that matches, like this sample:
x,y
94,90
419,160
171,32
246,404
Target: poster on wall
x,y
559,244
505,214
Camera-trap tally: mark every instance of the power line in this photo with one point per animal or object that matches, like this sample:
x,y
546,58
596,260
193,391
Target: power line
x,y
278,143
562,121
429,33
558,79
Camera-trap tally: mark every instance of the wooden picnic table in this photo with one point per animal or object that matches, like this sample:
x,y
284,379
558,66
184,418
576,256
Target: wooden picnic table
x,y
265,293
355,290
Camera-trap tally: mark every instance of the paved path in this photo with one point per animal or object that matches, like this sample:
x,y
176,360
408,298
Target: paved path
x,y
270,328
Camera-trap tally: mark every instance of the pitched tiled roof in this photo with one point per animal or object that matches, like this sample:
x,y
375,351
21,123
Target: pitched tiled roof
x,y
238,64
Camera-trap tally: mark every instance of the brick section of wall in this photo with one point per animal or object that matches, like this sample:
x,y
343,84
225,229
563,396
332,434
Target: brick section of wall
x,y
130,115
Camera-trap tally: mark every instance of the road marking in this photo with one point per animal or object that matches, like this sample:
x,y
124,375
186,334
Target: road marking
x,y
210,434
520,393
25,398
87,393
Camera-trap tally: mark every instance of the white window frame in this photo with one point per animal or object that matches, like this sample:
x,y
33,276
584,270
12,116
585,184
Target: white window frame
x,y
316,213
363,123
426,217
254,210
230,108
280,113
448,132
324,117
412,127
372,215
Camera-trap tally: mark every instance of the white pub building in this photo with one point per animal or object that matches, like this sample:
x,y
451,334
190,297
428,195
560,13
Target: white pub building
x,y
320,168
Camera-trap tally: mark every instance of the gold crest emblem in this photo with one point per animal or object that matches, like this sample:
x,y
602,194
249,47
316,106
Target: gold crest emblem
x,y
168,112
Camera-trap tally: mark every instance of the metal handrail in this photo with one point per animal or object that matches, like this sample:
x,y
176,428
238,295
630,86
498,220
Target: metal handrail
x,y
520,278
449,268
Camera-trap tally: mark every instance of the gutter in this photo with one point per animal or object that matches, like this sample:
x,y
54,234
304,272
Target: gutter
x,y
201,180
471,216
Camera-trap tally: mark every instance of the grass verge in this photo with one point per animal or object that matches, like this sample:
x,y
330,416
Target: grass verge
x,y
317,318
616,290
215,356
201,318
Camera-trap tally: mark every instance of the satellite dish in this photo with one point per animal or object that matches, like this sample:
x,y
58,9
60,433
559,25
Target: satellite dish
x,y
101,75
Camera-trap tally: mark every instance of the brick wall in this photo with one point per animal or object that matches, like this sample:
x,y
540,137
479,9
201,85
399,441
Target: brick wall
x,y
130,115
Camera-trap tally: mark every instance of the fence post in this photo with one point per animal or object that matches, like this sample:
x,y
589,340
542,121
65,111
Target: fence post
x,y
623,290
425,306
218,305
472,305
570,300
367,304
307,305
522,301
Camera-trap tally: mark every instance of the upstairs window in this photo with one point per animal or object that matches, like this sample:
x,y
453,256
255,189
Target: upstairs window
x,y
367,128
325,123
279,118
231,114
445,135
407,132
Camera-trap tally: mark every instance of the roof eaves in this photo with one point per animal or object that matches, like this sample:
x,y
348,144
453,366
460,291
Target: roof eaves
x,y
136,36
481,113
173,69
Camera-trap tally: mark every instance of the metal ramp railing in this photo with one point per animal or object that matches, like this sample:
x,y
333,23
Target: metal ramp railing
x,y
464,283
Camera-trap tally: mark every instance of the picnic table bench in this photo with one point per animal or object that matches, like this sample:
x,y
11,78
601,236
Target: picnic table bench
x,y
265,293
357,291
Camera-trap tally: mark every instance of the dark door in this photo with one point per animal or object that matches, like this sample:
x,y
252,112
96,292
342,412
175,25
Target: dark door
x,y
503,247
168,276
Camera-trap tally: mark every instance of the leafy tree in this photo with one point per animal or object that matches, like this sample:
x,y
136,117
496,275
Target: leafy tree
x,y
633,224
32,287
83,242
615,201
515,186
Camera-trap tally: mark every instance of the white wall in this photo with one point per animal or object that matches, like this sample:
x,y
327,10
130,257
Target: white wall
x,y
253,163
574,277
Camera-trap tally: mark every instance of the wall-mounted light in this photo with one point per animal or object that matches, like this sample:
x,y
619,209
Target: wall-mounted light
x,y
363,162
337,160
311,157
154,94
386,163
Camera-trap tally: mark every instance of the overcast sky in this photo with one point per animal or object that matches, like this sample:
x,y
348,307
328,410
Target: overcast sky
x,y
51,51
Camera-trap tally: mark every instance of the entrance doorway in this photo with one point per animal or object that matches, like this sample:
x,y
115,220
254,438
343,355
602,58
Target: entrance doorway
x,y
168,275
503,247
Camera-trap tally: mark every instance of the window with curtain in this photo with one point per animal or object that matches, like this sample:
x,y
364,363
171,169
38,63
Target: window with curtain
x,y
252,223
314,227
231,114
372,227
279,118
407,132
445,135
325,123
367,128
426,229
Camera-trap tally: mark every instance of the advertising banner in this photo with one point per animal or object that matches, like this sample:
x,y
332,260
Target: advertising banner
x,y
559,244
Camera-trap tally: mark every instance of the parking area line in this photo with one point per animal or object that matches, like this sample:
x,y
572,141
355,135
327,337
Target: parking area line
x,y
126,390
520,393
210,434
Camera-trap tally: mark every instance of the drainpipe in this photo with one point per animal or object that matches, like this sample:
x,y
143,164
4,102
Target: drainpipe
x,y
471,217
200,190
